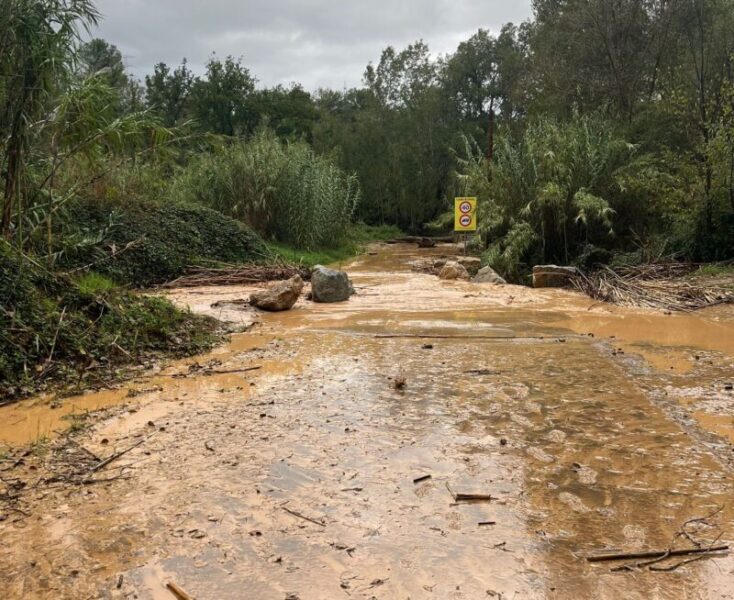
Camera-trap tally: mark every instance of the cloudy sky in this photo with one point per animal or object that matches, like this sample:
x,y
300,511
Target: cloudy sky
x,y
319,43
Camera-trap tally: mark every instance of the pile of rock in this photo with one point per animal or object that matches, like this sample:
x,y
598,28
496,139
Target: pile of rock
x,y
327,285
458,268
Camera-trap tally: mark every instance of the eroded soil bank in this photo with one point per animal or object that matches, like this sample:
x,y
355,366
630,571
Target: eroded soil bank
x,y
593,428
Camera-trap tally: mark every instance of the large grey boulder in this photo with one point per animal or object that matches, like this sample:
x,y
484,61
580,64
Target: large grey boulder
x,y
553,276
488,275
281,295
453,271
329,285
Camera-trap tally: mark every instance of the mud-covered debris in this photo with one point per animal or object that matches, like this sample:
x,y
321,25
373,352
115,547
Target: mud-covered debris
x,y
468,497
400,382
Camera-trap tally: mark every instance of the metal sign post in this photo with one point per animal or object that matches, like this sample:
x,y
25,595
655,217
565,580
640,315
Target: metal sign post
x,y
465,218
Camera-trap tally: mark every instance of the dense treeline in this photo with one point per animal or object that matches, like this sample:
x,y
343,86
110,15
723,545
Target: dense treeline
x,y
596,128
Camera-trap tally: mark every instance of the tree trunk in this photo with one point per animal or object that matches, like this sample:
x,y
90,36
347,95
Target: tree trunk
x,y
11,187
490,133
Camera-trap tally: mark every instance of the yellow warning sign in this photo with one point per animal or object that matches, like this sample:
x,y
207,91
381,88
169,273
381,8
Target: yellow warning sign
x,y
465,214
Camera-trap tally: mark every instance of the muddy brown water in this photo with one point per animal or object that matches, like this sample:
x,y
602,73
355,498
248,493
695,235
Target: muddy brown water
x,y
586,443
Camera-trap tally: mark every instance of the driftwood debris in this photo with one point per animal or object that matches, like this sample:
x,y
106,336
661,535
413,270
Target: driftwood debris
x,y
655,554
237,275
699,550
207,371
302,516
658,286
462,497
178,591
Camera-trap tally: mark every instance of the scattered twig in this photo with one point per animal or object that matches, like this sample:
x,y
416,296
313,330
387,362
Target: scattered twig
x,y
114,457
422,478
655,554
301,516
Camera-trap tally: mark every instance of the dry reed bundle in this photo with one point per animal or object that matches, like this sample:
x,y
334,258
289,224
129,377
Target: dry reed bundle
x,y
236,275
658,286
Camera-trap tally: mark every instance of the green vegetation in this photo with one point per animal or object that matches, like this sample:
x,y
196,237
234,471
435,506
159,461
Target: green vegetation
x,y
358,235
716,270
153,242
284,190
55,329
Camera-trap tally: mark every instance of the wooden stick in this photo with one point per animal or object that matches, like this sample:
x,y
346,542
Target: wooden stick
x,y
300,516
459,497
114,457
178,592
655,554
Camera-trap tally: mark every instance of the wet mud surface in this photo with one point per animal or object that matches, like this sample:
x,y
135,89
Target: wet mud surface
x,y
593,428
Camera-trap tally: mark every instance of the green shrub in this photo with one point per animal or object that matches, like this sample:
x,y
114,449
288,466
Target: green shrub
x,y
143,243
52,328
560,189
284,191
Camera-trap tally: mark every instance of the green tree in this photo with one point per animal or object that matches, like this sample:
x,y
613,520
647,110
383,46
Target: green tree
x,y
167,92
220,100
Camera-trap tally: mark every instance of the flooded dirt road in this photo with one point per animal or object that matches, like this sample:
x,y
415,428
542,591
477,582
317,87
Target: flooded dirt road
x,y
593,428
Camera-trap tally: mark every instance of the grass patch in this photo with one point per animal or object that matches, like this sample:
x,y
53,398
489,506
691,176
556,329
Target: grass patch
x,y
93,283
358,236
715,270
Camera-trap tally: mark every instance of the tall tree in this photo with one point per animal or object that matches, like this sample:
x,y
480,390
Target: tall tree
x,y
220,99
168,92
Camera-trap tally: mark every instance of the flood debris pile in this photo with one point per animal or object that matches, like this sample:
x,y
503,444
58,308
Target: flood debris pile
x,y
237,275
658,286
702,536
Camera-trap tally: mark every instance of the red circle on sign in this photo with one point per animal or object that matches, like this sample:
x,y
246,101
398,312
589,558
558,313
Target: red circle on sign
x,y
465,221
465,207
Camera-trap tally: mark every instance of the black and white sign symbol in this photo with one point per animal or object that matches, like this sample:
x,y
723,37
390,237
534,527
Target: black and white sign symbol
x,y
465,207
465,220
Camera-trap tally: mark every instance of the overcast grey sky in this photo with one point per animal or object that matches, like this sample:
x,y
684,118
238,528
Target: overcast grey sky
x,y
319,43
